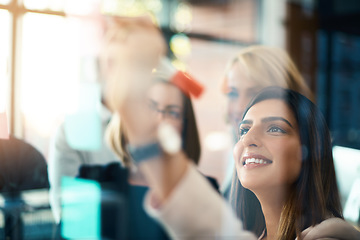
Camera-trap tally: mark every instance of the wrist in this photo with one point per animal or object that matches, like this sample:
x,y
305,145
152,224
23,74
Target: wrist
x,y
144,152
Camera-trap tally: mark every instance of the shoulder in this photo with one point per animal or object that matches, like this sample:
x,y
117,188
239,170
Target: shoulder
x,y
333,228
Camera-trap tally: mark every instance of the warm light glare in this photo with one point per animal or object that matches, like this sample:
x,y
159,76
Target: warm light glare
x,y
4,1
180,45
132,8
217,141
4,58
179,65
57,5
50,70
81,7
183,17
108,6
36,4
153,5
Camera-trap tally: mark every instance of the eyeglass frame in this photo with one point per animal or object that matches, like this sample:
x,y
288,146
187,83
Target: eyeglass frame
x,y
167,112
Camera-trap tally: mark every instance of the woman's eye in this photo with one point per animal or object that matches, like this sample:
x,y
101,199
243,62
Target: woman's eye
x,y
243,131
275,129
232,95
174,114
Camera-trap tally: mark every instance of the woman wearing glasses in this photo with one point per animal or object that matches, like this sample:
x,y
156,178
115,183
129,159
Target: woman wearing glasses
x,y
166,103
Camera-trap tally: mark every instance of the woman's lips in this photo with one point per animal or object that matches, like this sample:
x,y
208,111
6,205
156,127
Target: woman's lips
x,y
255,160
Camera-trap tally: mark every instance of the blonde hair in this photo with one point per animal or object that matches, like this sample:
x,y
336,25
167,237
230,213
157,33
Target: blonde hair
x,y
116,139
269,66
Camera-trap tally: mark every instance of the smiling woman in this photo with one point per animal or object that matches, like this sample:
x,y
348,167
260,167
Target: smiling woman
x,y
268,139
166,102
285,166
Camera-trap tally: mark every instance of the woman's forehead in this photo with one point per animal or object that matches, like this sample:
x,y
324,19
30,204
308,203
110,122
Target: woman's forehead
x,y
270,107
240,77
165,93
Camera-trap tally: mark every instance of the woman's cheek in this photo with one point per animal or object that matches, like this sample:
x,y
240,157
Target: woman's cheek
x,y
237,152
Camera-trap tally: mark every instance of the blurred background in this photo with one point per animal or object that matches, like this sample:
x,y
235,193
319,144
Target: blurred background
x,y
47,48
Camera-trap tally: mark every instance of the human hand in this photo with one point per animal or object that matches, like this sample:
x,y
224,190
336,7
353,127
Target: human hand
x,y
133,48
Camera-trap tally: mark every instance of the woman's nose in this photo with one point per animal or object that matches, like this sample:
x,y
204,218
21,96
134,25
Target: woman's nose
x,y
160,115
251,138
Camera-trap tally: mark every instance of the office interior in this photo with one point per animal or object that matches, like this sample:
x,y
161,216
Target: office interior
x,y
48,53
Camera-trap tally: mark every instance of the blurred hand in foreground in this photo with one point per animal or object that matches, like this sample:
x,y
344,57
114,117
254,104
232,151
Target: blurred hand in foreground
x,y
133,48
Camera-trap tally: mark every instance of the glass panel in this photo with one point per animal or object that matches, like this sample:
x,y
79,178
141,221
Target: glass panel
x,y
50,60
4,60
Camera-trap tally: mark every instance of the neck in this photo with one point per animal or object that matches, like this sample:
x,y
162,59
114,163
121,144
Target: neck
x,y
272,202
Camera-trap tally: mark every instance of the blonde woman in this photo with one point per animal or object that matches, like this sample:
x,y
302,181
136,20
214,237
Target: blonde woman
x,y
255,68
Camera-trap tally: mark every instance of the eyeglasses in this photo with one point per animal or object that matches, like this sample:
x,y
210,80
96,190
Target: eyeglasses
x,y
171,112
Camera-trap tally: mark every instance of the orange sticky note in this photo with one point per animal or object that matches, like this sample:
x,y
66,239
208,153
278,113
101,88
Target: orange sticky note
x,y
4,130
187,84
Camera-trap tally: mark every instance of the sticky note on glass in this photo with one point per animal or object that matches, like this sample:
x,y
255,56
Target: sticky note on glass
x,y
81,209
4,130
83,127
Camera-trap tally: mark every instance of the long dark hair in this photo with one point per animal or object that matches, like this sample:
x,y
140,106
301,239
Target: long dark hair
x,y
190,135
314,195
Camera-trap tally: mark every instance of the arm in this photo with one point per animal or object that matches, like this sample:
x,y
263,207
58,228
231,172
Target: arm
x,y
193,210
189,207
181,199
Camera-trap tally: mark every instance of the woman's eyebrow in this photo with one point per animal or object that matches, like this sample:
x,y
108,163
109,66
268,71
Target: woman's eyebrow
x,y
245,122
153,102
173,106
271,119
